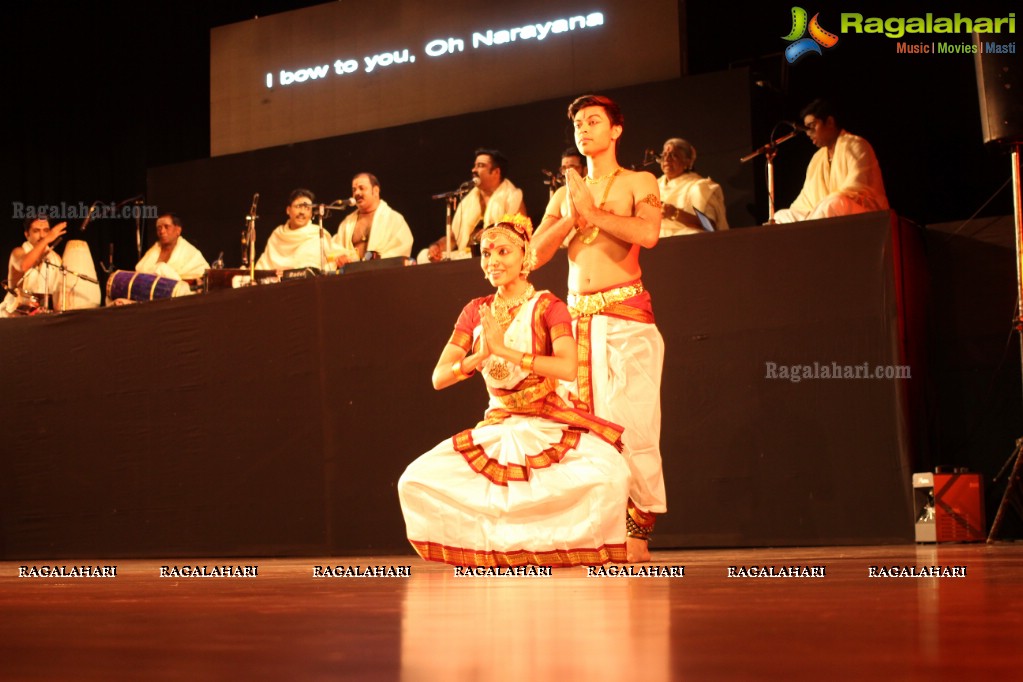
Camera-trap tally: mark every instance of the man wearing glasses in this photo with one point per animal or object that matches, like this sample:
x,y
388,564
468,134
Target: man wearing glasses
x,y
843,177
299,243
572,158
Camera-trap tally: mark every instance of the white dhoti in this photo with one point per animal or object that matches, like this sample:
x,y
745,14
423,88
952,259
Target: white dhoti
x,y
621,355
832,206
625,376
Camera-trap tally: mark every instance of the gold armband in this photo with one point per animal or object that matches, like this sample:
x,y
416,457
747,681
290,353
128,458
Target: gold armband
x,y
526,362
651,199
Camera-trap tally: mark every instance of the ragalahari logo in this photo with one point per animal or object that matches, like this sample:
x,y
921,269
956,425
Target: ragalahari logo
x,y
802,46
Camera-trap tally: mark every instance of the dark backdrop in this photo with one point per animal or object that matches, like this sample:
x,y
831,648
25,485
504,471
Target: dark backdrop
x,y
416,161
97,95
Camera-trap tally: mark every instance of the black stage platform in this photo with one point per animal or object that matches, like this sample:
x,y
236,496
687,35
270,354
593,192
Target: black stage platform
x,y
275,420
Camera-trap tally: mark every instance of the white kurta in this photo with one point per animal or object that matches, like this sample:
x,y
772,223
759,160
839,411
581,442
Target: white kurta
x,y
186,262
689,191
507,198
519,488
850,183
389,235
289,249
42,279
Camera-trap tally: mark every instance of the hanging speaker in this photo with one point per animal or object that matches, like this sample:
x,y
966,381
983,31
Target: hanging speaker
x,y
999,90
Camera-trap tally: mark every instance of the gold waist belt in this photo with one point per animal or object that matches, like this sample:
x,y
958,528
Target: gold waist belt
x,y
593,304
527,396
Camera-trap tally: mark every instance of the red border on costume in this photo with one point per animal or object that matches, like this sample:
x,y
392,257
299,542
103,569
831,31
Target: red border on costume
x,y
556,558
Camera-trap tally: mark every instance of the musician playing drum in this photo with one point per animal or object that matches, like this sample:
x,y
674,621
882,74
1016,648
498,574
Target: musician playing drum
x,y
172,255
169,260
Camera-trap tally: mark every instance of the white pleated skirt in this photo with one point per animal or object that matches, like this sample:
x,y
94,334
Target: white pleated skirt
x,y
527,490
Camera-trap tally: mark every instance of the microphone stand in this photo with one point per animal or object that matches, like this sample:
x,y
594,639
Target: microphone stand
x,y
553,181
250,237
1013,496
137,200
108,267
323,209
138,234
451,200
64,272
449,215
770,150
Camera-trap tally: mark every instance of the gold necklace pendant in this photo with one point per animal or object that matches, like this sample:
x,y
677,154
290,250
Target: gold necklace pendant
x,y
501,309
589,237
499,370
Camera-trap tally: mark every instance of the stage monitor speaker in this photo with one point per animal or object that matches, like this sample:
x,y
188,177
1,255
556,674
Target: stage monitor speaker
x,y
950,507
1000,91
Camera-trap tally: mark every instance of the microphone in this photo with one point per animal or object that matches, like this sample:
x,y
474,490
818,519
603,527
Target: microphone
x,y
337,204
252,211
88,217
796,126
51,248
651,157
137,199
554,180
462,189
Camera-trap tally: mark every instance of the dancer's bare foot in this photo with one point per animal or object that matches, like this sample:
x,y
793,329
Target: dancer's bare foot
x,y
636,551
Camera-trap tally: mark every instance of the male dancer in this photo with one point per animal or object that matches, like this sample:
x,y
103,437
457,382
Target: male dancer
x,y
614,213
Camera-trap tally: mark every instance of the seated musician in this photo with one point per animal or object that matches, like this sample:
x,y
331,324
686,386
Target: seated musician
x,y
374,230
843,178
172,255
683,191
492,196
29,272
299,243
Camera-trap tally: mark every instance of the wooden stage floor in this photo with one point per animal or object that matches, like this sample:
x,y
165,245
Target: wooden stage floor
x,y
287,624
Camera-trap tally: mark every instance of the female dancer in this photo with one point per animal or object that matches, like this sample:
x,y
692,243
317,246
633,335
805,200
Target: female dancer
x,y
538,481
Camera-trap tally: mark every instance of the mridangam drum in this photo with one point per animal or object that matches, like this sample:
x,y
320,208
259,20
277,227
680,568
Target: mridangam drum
x,y
80,293
140,286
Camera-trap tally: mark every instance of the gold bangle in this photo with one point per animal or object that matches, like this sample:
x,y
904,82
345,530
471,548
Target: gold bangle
x,y
456,368
526,362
